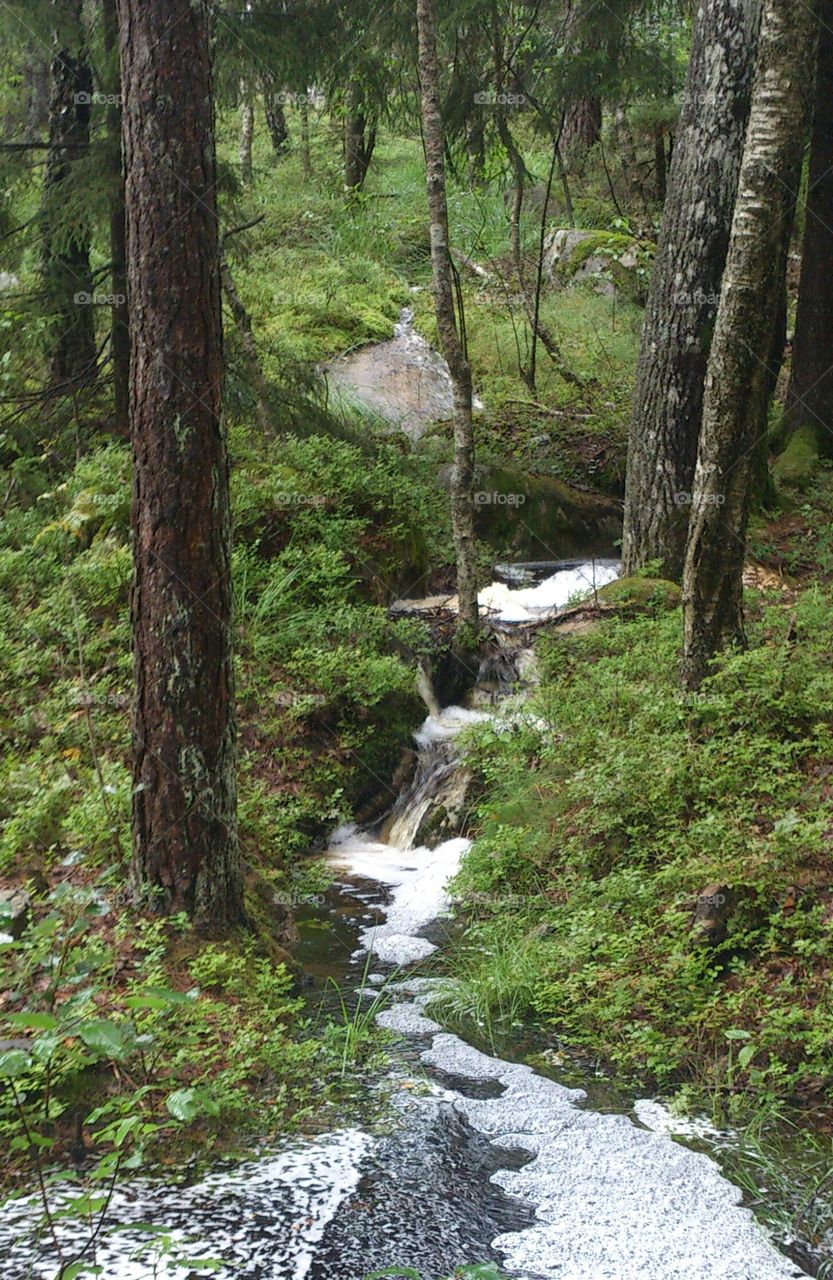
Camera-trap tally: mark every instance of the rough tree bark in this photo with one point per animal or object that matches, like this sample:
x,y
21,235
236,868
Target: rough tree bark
x,y
306,156
685,285
737,377
273,110
247,131
582,130
462,482
359,140
810,392
66,232
119,327
185,844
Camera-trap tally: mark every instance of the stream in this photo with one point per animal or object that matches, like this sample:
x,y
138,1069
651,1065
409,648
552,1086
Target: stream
x,y
476,1158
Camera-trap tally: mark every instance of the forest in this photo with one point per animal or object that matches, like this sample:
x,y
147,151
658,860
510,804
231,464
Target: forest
x,y
416,658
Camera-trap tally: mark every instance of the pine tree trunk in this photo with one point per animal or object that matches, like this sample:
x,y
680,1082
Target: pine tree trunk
x,y
306,157
119,328
685,285
66,248
738,375
582,130
247,131
273,110
354,123
810,393
462,483
185,845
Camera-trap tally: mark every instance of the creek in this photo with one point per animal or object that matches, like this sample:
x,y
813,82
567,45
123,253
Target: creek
x,y
471,1157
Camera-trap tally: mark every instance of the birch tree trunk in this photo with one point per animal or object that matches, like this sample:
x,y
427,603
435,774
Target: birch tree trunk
x,y
185,844
685,285
810,393
247,131
462,482
738,372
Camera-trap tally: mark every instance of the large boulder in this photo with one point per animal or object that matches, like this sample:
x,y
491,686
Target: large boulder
x,y
610,261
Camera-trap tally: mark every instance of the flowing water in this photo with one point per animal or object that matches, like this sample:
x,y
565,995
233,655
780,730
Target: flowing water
x,y
404,381
480,1158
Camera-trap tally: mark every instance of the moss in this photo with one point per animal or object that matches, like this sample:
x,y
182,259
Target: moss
x,y
640,592
796,466
539,517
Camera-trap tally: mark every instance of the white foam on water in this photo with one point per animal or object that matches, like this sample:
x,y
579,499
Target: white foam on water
x,y
417,878
526,604
262,1217
612,1201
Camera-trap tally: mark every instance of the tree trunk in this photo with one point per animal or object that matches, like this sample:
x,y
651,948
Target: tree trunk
x,y
247,131
185,844
582,130
631,168
306,158
251,355
273,110
685,285
36,79
810,393
66,236
119,328
462,482
359,141
737,376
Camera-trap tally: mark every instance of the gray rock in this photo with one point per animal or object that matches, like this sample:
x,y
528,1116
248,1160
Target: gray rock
x,y
15,906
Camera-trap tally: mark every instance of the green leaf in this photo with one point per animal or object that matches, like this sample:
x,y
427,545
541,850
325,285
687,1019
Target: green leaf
x,y
746,1055
37,1021
736,1034
187,1104
105,1038
14,1062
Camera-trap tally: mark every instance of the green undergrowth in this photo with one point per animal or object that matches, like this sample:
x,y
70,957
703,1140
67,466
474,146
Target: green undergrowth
x,y
326,532
620,811
321,275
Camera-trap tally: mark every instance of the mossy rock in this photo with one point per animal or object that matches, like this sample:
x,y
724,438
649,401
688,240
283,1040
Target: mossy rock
x,y
533,517
639,593
796,467
612,261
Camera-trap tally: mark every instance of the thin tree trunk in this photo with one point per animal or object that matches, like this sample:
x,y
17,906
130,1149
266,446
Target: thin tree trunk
x,y
119,327
247,131
354,123
462,483
810,392
737,377
185,843
66,237
273,109
37,89
685,285
243,324
631,167
306,158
